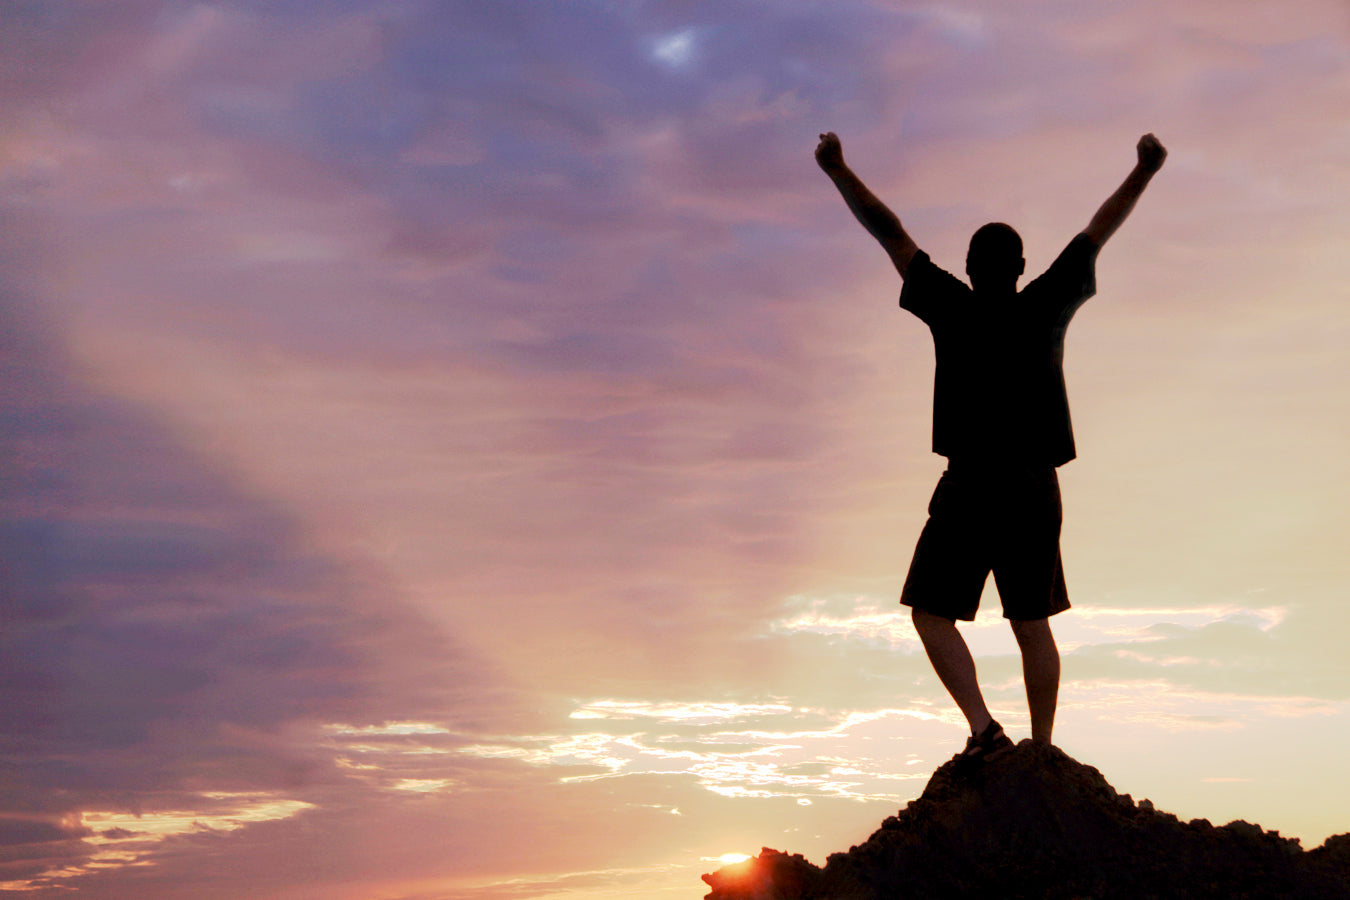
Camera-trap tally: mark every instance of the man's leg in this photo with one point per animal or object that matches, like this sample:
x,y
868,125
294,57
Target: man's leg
x,y
1040,671
955,667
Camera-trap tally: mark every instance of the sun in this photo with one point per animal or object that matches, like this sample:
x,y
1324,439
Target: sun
x,y
731,859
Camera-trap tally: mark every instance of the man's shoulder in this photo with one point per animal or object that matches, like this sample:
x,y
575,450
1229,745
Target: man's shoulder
x,y
1084,243
1073,271
1082,249
928,287
923,272
917,263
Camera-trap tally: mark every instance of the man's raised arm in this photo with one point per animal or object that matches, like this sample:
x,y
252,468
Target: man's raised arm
x,y
874,215
1117,207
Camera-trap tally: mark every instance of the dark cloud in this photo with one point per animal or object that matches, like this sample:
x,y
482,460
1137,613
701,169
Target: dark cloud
x,y
47,50
31,846
163,630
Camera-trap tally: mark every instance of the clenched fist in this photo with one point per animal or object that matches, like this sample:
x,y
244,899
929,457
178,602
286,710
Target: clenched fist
x,y
1151,153
829,152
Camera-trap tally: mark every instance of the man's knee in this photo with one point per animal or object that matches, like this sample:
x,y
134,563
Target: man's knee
x,y
1031,629
1029,625
925,621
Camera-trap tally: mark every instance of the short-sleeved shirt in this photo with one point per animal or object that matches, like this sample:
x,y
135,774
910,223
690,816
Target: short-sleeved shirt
x,y
998,394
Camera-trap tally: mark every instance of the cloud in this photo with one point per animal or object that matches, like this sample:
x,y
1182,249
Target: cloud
x,y
168,637
757,751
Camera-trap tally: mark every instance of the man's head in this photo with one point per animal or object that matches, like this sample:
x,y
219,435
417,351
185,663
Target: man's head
x,y
994,261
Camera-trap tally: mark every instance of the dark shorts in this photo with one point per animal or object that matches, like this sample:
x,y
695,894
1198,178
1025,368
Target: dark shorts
x,y
979,521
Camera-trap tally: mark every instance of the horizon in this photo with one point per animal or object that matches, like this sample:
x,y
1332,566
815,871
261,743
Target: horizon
x,y
461,451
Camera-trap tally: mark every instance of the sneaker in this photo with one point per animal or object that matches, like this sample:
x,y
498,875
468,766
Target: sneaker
x,y
987,744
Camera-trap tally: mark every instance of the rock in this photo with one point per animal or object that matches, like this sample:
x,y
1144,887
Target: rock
x,y
1034,823
769,876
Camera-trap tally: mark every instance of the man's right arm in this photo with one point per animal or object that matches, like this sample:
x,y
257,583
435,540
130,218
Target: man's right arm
x,y
874,215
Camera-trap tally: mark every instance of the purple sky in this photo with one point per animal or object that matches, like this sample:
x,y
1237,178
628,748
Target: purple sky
x,y
466,450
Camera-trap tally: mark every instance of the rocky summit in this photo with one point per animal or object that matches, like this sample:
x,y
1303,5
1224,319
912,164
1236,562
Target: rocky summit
x,y
1035,823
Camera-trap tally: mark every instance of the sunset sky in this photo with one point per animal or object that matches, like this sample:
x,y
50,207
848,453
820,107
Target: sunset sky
x,y
466,450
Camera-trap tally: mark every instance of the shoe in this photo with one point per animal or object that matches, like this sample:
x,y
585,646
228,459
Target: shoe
x,y
987,744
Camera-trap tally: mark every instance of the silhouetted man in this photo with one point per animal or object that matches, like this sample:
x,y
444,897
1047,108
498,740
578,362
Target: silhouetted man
x,y
1001,417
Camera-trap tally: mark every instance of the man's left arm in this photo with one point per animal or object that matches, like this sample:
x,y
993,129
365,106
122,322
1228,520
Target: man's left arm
x,y
1118,206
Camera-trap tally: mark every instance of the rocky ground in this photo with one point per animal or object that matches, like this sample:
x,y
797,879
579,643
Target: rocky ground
x,y
1034,823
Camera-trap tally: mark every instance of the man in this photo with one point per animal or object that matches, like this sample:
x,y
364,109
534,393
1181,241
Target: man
x,y
1001,417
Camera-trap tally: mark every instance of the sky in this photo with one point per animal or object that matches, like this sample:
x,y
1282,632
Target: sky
x,y
466,450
